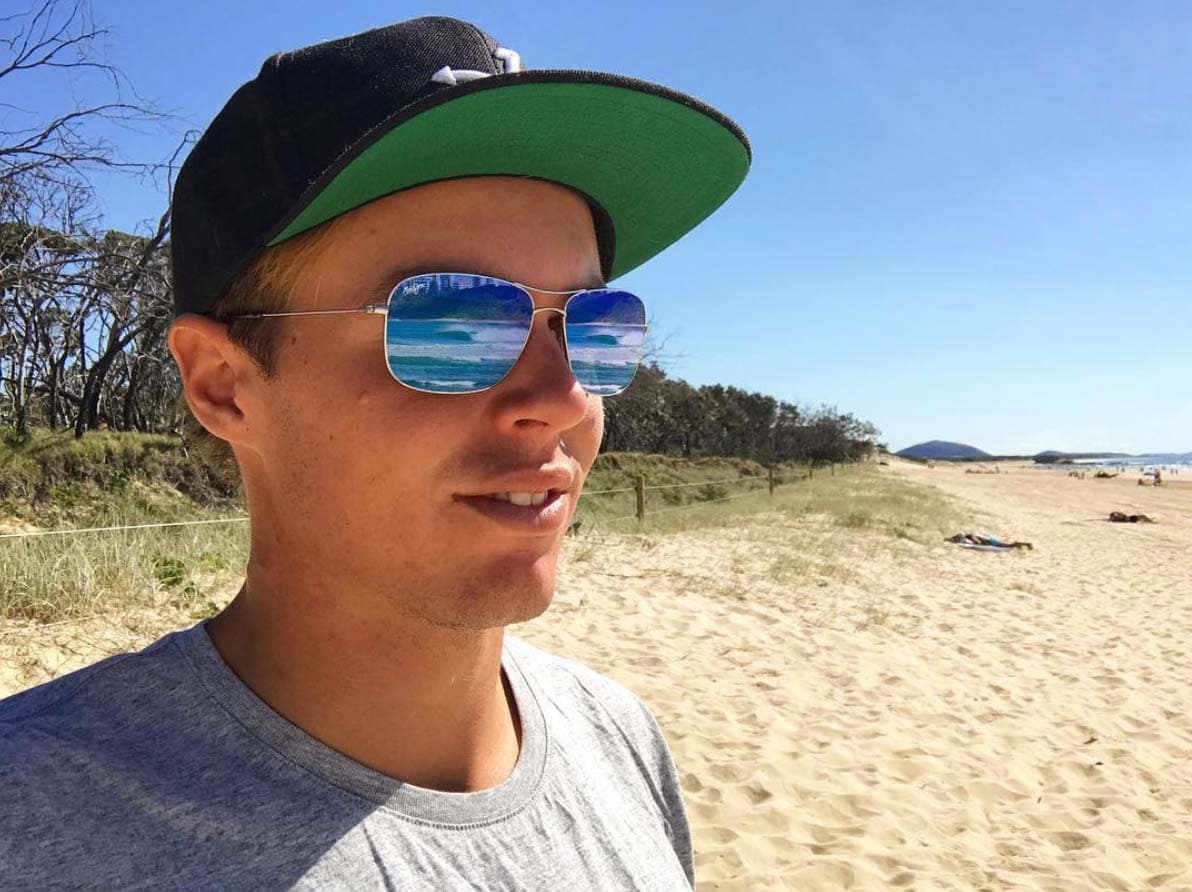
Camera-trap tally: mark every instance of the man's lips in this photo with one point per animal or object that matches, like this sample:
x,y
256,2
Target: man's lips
x,y
548,517
560,478
492,498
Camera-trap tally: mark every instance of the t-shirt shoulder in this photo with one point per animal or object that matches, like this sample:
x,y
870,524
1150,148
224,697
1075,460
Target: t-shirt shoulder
x,y
565,680
577,693
101,690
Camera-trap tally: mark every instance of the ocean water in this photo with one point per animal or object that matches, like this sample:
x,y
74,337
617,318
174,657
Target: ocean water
x,y
460,356
1136,463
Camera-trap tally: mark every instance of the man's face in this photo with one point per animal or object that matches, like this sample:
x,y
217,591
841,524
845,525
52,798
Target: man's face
x,y
374,481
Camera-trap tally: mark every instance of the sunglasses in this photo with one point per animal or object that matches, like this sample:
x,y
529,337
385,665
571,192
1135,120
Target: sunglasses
x,y
463,333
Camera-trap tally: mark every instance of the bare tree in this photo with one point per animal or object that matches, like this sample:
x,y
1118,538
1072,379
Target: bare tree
x,y
55,36
68,291
134,283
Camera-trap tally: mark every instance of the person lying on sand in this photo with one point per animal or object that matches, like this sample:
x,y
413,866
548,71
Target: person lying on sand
x,y
978,539
1119,517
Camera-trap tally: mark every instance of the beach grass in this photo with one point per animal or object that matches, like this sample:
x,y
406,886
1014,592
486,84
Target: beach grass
x,y
852,497
816,538
53,578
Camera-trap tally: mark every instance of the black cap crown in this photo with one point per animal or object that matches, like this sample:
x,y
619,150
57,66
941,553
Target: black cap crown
x,y
276,136
326,129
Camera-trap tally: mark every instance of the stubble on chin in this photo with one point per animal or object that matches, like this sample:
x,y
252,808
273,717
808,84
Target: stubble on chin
x,y
482,602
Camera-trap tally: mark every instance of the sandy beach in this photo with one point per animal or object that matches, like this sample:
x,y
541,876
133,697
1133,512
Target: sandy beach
x,y
932,718
853,710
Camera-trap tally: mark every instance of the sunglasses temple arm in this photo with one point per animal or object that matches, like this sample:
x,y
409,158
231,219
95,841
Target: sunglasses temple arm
x,y
370,309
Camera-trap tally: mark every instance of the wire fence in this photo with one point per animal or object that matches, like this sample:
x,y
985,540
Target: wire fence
x,y
696,504
639,488
134,526
605,492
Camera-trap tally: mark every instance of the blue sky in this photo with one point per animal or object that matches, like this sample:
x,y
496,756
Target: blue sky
x,y
964,221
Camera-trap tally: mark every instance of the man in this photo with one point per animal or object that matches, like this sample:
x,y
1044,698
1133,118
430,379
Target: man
x,y
357,718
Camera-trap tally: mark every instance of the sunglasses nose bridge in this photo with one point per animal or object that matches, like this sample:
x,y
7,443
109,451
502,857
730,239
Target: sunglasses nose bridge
x,y
555,320
556,324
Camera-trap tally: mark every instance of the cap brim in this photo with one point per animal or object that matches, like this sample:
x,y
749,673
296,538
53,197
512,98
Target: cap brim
x,y
655,160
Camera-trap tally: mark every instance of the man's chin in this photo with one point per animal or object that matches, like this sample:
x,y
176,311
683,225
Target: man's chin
x,y
498,609
521,590
501,593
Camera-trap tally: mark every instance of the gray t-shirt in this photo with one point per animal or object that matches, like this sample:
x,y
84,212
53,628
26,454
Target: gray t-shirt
x,y
162,770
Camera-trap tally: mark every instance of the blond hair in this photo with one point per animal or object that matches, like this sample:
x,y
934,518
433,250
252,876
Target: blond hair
x,y
264,286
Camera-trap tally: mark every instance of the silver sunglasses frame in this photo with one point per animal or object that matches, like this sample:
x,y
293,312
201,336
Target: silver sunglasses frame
x,y
383,310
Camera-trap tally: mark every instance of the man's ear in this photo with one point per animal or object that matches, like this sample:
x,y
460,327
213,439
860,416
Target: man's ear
x,y
214,374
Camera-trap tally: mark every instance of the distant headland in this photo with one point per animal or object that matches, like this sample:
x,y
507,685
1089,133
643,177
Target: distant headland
x,y
946,450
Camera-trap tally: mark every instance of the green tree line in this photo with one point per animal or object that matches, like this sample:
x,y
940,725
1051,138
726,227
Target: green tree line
x,y
668,416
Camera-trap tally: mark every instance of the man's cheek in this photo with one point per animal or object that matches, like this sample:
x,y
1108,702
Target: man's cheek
x,y
594,425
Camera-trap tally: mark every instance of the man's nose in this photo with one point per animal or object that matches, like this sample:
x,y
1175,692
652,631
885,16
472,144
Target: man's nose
x,y
541,390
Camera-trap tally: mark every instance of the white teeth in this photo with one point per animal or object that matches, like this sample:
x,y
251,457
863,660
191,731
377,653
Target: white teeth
x,y
524,499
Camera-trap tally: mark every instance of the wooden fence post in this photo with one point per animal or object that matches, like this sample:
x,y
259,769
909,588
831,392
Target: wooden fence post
x,y
771,480
639,487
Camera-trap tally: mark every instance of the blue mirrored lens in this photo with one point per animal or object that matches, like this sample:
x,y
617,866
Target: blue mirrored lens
x,y
453,333
606,331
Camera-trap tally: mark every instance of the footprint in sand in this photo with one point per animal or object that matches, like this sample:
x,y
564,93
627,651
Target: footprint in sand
x,y
1069,841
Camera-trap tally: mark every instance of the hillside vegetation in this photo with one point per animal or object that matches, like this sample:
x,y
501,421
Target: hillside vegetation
x,y
944,450
53,477
113,479
116,475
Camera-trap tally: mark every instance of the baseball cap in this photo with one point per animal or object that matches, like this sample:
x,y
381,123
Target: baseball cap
x,y
327,128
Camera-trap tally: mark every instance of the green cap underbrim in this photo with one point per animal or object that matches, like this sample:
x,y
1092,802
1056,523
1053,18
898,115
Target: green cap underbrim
x,y
655,161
